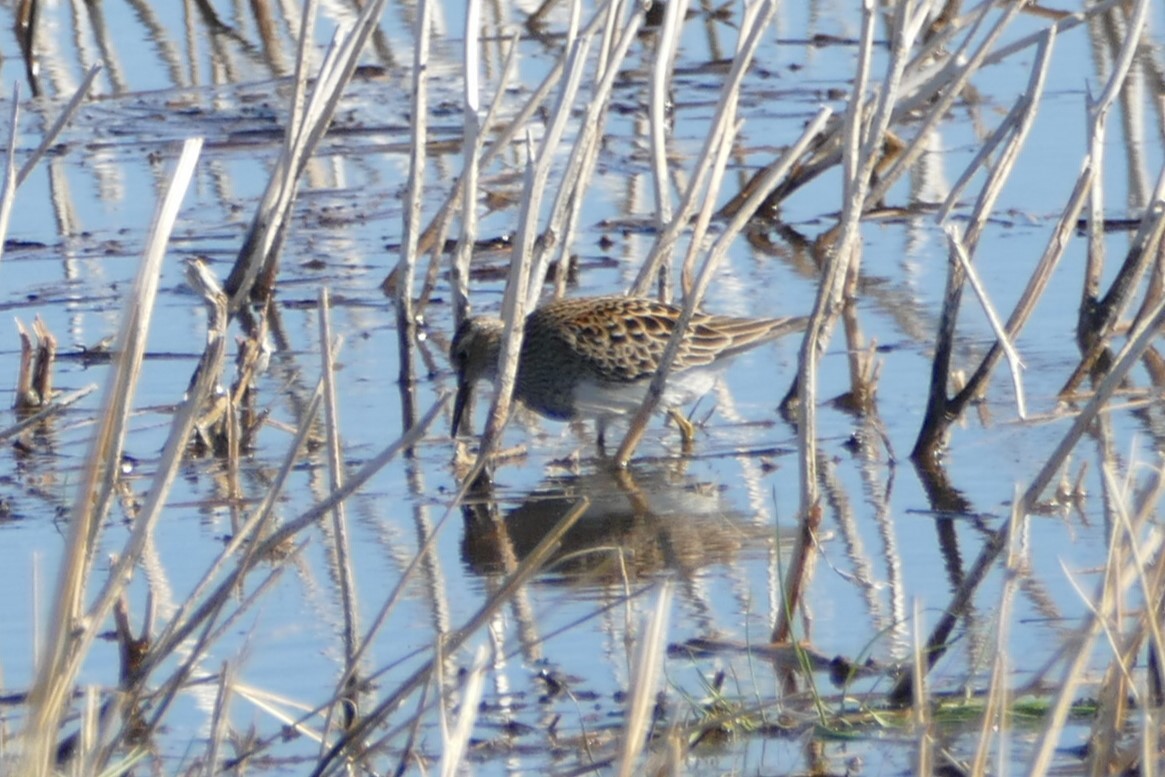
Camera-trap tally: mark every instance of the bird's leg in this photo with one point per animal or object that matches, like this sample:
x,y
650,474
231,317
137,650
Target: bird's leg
x,y
601,428
686,427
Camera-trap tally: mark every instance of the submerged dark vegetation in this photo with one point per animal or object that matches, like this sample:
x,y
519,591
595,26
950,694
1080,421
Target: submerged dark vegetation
x,y
913,64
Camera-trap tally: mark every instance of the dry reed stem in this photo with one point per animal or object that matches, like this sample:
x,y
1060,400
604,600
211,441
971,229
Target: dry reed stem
x,y
340,546
1011,134
996,708
69,637
63,118
456,743
455,639
1151,588
941,411
531,286
502,140
920,711
8,191
182,624
1103,314
638,424
219,719
841,263
644,682
661,70
471,142
414,192
959,254
1101,606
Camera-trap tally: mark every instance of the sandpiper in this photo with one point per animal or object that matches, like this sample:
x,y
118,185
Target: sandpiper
x,y
593,357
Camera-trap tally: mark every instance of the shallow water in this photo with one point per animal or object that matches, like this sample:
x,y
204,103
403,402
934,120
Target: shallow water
x,y
718,524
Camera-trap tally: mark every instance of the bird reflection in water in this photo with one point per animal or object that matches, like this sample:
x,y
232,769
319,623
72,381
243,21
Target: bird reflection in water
x,y
638,523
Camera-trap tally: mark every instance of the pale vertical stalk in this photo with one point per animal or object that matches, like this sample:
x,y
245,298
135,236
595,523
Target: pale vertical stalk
x,y
644,681
8,192
336,480
471,149
920,712
1094,265
575,67
841,265
457,741
220,719
414,191
69,636
996,709
830,290
668,38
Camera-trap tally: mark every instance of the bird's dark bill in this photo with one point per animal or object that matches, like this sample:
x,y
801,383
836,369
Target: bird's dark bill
x,y
464,391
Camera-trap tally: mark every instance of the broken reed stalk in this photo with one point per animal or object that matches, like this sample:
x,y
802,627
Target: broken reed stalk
x,y
69,636
414,192
651,650
58,405
1140,339
457,638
